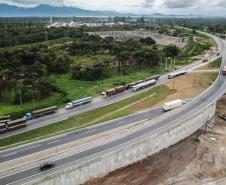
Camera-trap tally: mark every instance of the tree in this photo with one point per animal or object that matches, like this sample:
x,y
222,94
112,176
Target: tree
x,y
148,40
171,51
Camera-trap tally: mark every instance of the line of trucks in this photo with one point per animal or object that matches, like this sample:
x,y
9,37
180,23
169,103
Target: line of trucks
x,y
6,124
134,86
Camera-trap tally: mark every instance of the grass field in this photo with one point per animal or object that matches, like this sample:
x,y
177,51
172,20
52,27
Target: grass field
x,y
91,118
78,89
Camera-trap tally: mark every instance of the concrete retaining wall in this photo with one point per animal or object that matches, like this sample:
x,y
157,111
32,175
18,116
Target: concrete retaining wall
x,y
102,163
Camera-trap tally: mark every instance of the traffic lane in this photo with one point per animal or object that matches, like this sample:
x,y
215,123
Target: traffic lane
x,y
34,171
83,133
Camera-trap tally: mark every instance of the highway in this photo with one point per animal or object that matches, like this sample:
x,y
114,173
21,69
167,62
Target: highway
x,y
80,134
87,132
216,91
98,102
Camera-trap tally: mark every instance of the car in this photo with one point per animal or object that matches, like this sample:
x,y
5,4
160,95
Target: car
x,y
46,166
205,60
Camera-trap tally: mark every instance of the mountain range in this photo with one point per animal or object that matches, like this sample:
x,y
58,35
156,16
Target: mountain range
x,y
47,11
44,10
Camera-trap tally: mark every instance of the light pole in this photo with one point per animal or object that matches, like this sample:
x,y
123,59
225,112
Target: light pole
x,y
20,93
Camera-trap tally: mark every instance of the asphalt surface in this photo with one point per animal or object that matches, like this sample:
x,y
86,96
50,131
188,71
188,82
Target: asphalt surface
x,y
98,102
215,92
218,90
80,134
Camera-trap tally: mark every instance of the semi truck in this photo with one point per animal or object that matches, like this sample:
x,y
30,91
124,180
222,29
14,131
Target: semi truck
x,y
143,85
12,125
224,70
175,74
77,103
156,77
113,91
41,112
172,105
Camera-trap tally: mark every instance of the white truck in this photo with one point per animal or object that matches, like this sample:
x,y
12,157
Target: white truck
x,y
172,105
175,74
143,85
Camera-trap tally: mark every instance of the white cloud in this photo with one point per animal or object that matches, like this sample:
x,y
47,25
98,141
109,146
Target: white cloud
x,y
136,6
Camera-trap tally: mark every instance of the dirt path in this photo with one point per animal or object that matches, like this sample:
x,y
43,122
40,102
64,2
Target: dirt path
x,y
189,86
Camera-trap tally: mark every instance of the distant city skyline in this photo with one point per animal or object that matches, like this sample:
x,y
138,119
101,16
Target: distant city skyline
x,y
202,7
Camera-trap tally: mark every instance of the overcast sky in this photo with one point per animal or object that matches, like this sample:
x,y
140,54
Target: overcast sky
x,y
204,7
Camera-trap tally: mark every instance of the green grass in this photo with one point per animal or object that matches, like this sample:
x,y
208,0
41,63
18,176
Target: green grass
x,y
79,89
92,59
85,119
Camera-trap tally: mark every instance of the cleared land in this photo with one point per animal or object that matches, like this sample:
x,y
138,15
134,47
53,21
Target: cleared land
x,y
197,160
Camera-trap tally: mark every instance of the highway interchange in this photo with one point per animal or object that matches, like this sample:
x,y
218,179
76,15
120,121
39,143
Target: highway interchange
x,y
215,92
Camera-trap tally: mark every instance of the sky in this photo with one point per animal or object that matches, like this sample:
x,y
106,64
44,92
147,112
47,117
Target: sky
x,y
201,7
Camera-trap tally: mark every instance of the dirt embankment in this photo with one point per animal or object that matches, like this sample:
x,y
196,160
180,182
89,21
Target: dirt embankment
x,y
197,160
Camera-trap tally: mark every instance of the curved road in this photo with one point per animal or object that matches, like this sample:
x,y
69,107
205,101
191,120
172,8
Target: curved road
x,y
217,90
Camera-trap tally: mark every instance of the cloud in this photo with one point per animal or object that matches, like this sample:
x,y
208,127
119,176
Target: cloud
x,y
135,6
179,3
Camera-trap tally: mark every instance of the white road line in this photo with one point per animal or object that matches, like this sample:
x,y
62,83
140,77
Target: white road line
x,y
54,142
9,154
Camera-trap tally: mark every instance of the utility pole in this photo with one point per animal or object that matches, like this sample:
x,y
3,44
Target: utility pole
x,y
174,82
166,63
120,64
20,93
33,99
171,63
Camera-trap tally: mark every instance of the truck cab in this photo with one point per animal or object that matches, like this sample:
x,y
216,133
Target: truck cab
x,y
104,95
28,116
68,106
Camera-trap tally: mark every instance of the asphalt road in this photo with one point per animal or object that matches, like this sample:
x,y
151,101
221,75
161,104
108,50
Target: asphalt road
x,y
80,134
215,92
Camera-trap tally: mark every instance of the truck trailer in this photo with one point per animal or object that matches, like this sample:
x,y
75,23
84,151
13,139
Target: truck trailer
x,y
156,77
79,102
172,105
175,74
143,85
15,124
113,91
5,119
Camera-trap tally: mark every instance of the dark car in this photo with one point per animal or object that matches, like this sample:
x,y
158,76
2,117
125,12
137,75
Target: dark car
x,y
205,60
47,166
